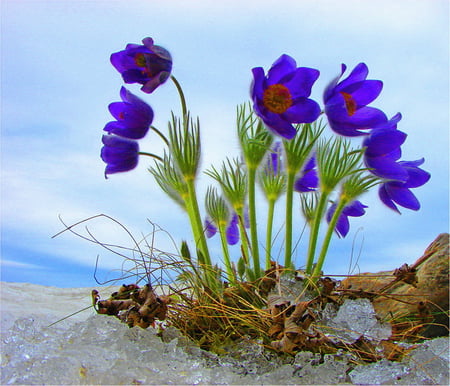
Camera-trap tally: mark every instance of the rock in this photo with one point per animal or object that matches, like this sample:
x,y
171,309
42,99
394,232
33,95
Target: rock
x,y
410,305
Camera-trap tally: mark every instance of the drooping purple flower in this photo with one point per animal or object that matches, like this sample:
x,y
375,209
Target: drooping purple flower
x,y
119,154
398,192
133,115
383,150
231,231
274,164
147,64
309,181
354,209
346,102
210,228
281,97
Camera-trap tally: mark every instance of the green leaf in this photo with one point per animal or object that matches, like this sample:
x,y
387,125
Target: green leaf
x,y
336,161
301,146
185,253
216,207
233,181
254,137
170,181
185,146
308,202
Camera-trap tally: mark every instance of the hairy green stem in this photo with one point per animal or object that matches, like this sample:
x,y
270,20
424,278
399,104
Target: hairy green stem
x,y
197,228
161,135
226,255
182,98
315,231
289,206
151,155
244,240
269,228
253,224
327,239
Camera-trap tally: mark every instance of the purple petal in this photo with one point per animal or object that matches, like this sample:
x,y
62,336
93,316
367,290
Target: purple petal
x,y
417,177
232,233
386,167
383,141
304,111
155,82
402,196
301,83
120,154
364,92
391,124
210,228
307,183
256,89
358,74
386,199
355,209
279,126
330,89
310,164
342,225
413,164
363,118
283,66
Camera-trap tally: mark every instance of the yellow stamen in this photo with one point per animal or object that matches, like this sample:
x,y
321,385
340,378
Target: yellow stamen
x,y
350,103
277,98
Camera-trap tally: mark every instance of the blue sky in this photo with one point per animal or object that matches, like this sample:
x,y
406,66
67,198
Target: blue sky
x,y
57,83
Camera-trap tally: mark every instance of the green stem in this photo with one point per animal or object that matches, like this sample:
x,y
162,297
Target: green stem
x,y
181,93
161,135
269,232
151,155
289,206
244,240
226,255
197,221
315,231
327,239
253,224
199,235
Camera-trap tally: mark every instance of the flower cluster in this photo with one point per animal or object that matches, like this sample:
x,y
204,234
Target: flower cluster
x,y
280,134
281,99
146,64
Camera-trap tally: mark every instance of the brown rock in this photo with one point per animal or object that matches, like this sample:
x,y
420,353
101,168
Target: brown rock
x,y
415,299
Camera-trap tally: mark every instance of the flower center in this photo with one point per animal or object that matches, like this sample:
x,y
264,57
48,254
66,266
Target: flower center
x,y
140,61
350,103
277,98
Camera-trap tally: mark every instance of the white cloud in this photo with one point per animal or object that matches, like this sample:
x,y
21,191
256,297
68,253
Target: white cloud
x,y
14,264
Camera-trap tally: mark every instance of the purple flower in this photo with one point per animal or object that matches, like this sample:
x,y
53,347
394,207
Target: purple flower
x,y
147,64
383,150
133,115
398,192
346,102
274,164
281,97
354,209
309,181
231,232
120,154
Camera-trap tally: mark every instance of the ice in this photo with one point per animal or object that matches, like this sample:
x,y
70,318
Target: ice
x,y
97,349
354,319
